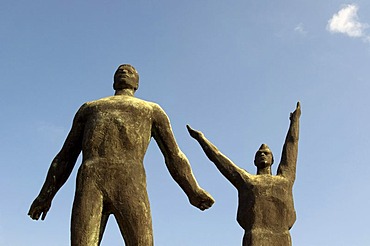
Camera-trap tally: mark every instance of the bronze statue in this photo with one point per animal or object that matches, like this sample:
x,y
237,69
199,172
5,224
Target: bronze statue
x,y
266,209
113,134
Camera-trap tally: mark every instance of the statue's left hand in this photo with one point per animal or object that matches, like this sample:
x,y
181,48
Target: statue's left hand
x,y
39,207
202,200
297,112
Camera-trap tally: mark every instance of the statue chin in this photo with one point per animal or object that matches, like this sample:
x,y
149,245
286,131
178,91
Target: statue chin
x,y
263,164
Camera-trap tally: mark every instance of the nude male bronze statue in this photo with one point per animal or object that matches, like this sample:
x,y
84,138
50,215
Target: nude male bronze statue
x,y
266,209
113,134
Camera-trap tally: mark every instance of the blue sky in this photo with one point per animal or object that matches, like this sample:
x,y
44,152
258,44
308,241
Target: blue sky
x,y
232,69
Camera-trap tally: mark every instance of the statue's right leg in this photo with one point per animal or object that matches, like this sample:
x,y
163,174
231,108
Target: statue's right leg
x,y
87,211
247,239
266,238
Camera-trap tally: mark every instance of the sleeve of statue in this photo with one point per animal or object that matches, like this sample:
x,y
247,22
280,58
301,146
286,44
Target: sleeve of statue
x,y
176,161
231,171
287,166
60,168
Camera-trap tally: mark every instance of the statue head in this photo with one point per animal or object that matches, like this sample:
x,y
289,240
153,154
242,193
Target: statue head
x,y
263,157
126,77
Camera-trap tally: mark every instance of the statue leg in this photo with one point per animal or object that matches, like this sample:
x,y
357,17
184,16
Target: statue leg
x,y
267,239
247,239
103,224
135,222
87,212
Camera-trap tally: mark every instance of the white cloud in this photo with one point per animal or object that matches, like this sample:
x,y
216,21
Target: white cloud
x,y
300,29
346,21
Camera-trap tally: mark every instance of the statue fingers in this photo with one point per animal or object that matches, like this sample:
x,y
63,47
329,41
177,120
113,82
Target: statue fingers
x,y
32,212
44,214
298,109
206,204
35,215
190,130
194,133
203,206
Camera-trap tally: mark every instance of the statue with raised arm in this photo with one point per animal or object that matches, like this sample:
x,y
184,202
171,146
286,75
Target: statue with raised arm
x,y
266,209
113,134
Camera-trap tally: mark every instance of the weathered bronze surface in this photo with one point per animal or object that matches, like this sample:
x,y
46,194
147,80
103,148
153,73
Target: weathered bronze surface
x,y
266,209
113,134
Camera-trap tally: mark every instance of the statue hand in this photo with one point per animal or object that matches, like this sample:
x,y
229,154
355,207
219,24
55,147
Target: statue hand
x,y
194,133
297,112
38,207
202,200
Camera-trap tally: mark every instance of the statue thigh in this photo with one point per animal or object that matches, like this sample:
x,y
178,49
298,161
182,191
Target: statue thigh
x,y
96,198
267,239
135,221
86,216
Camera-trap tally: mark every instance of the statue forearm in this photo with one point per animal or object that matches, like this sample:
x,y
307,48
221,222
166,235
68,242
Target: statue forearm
x,y
59,171
292,137
181,172
232,172
293,132
63,163
177,163
222,162
289,155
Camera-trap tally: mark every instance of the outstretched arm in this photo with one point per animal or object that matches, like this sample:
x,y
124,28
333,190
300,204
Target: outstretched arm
x,y
176,161
60,169
231,171
287,166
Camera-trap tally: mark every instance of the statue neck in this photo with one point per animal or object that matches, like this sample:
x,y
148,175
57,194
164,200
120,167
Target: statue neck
x,y
125,92
264,171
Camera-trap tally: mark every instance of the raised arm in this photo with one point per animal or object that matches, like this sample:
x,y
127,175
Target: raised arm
x,y
60,169
176,161
231,171
287,166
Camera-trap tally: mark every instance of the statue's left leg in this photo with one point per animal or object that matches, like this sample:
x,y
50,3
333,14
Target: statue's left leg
x,y
135,221
259,238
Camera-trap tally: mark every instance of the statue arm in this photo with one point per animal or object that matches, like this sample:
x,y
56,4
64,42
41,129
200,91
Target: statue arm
x,y
176,161
60,169
287,166
231,171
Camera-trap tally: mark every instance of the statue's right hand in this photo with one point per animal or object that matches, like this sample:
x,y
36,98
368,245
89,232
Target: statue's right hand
x,y
39,207
194,133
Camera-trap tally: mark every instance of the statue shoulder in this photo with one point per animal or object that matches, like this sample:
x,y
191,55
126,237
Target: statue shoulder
x,y
158,110
158,114
96,102
88,106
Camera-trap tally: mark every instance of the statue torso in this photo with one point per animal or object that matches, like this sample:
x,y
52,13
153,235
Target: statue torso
x,y
117,128
266,203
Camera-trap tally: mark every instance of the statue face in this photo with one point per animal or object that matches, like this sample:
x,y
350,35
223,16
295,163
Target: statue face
x,y
125,77
263,157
